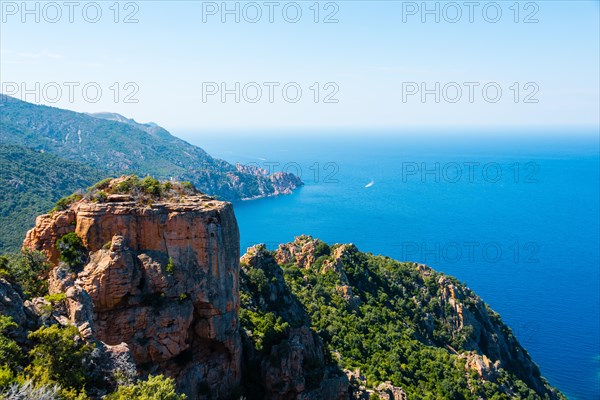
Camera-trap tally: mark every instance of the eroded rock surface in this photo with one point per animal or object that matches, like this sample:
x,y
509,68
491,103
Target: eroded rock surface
x,y
162,278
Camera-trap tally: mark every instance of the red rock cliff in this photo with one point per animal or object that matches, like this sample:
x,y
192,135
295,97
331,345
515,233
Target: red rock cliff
x,y
162,278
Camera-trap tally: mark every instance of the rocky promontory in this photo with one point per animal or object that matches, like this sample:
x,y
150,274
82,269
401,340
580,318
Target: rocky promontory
x,y
162,276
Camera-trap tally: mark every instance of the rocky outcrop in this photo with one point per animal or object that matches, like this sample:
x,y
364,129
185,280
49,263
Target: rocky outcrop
x,y
483,332
267,185
301,251
295,365
12,305
161,278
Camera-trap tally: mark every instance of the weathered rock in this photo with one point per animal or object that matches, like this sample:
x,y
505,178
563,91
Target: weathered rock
x,y
301,251
48,229
12,305
387,391
80,310
486,335
163,279
295,366
485,368
111,275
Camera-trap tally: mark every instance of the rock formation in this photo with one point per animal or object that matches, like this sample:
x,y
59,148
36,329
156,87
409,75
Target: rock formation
x,y
162,278
295,366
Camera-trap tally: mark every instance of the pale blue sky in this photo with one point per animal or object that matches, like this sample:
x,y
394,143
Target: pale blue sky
x,y
368,54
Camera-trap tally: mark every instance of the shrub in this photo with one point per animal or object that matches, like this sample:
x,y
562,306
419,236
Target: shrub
x,y
322,249
267,328
4,267
10,352
127,185
55,298
170,268
72,251
58,357
65,202
257,281
29,391
155,388
151,186
188,185
102,185
29,270
99,197
6,377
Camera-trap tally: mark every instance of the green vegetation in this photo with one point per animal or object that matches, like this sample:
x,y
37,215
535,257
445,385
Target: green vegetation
x,y
56,363
65,202
31,183
55,298
267,328
143,191
27,269
10,352
170,268
72,251
58,357
155,388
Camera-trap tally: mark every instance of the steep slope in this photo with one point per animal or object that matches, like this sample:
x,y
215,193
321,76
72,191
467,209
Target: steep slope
x,y
31,182
155,267
116,145
393,327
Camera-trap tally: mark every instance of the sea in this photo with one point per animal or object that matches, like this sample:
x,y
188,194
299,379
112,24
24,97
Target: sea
x,y
514,215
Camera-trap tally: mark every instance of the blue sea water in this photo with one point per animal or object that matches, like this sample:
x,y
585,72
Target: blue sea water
x,y
514,216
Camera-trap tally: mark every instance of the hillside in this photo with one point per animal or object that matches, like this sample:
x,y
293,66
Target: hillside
x,y
117,145
31,182
396,330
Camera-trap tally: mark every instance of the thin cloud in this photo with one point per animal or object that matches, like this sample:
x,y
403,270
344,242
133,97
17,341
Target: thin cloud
x,y
44,54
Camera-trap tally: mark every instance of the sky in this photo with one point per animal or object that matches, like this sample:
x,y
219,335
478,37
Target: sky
x,y
190,65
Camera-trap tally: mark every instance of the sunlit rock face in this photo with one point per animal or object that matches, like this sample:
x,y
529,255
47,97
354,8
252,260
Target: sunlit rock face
x,y
163,278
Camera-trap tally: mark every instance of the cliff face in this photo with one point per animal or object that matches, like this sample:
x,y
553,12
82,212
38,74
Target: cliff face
x,y
162,278
291,363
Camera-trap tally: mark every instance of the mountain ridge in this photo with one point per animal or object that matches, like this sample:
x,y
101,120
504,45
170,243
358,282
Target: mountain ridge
x,y
101,145
129,147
